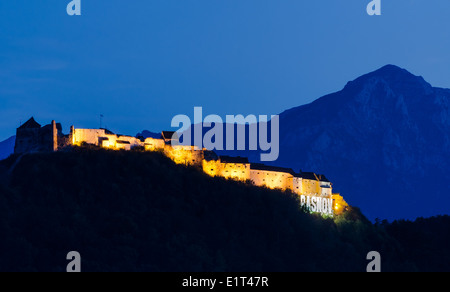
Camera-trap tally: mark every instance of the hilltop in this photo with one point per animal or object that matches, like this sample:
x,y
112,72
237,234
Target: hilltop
x,y
138,211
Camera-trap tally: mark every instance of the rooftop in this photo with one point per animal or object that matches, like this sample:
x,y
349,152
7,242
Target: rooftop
x,y
323,178
259,166
307,175
229,159
30,124
168,135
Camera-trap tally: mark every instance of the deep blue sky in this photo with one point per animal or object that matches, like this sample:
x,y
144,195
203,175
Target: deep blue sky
x,y
141,62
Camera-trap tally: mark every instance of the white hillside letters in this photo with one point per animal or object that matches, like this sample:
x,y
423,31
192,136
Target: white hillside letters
x,y
74,7
317,204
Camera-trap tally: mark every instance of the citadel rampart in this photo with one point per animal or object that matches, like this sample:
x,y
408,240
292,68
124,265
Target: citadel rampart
x,y
315,191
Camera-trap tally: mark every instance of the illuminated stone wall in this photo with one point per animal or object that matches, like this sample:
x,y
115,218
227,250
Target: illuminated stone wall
x,y
151,144
272,179
236,171
121,142
186,155
99,137
310,187
326,190
297,185
212,167
339,204
89,136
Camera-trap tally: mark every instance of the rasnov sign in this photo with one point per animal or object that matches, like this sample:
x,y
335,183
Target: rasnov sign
x,y
317,204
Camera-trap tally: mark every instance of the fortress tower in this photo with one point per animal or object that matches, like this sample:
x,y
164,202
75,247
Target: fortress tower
x,y
32,137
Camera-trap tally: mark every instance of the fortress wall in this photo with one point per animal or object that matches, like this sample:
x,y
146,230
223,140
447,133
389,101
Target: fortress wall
x,y
124,142
64,141
186,155
212,168
27,140
237,171
311,190
122,146
339,204
54,137
310,187
152,144
191,155
134,142
297,185
100,138
326,191
48,138
90,136
272,179
108,141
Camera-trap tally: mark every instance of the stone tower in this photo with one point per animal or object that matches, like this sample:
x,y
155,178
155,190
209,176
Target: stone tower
x,y
32,137
27,137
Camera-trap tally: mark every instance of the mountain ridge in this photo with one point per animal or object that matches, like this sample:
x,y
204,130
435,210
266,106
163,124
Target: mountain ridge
x,y
382,140
385,126
7,147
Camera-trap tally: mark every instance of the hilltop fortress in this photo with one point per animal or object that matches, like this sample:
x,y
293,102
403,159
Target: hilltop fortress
x,y
315,190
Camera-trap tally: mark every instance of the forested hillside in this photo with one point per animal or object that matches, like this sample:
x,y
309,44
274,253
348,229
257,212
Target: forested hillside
x,y
138,211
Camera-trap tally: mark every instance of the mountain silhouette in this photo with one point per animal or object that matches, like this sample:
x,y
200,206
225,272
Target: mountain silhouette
x,y
7,147
148,134
383,141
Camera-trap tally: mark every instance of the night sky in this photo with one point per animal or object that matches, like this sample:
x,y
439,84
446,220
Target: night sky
x,y
141,62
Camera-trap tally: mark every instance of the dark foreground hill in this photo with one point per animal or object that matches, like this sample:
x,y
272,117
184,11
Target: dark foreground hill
x,y
134,211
